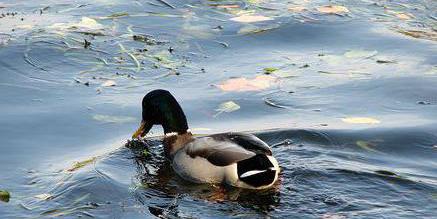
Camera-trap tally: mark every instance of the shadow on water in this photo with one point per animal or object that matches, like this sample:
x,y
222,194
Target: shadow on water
x,y
324,174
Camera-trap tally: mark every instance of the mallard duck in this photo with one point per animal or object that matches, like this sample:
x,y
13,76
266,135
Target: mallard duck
x,y
237,159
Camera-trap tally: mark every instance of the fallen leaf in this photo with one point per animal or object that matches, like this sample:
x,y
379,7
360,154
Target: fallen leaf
x,y
85,22
227,107
270,70
87,26
226,6
4,196
403,16
109,83
385,172
360,120
360,54
333,9
260,82
251,18
428,34
113,119
297,8
252,29
115,15
385,61
78,165
44,196
368,146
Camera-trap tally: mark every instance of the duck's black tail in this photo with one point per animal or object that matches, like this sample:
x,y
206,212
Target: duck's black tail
x,y
256,171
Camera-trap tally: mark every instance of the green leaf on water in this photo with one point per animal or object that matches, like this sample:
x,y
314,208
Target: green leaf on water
x,y
227,107
81,164
270,70
116,15
368,146
4,196
145,152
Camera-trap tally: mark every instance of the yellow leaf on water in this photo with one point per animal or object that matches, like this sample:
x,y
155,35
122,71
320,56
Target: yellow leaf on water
x,y
85,23
260,82
296,8
44,196
226,6
251,18
333,9
90,23
368,146
227,107
109,83
403,16
113,119
80,164
360,120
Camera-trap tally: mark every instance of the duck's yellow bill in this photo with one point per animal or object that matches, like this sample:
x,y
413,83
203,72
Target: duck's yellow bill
x,y
140,131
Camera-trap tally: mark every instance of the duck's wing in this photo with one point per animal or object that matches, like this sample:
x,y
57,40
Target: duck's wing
x,y
247,141
227,148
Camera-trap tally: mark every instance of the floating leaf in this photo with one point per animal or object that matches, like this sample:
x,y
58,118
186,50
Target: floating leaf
x,y
270,70
225,6
44,196
403,16
429,35
116,15
385,61
297,8
360,120
333,9
260,82
385,172
85,23
368,146
109,83
87,26
360,54
113,119
227,107
251,18
78,165
4,196
271,102
252,29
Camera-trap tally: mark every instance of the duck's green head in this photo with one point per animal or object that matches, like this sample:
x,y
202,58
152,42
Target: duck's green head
x,y
161,108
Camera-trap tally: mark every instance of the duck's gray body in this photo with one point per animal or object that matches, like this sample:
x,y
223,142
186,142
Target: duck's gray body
x,y
237,159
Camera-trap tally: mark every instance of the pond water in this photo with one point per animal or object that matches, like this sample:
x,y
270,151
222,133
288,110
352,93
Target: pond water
x,y
345,92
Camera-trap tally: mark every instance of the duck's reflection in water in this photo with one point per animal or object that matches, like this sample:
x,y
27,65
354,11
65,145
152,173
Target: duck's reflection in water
x,y
163,191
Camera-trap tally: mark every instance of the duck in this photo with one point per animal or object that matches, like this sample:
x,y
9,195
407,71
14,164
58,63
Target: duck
x,y
234,158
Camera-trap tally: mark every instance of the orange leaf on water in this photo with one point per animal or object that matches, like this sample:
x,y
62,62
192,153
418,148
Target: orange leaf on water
x,y
260,82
